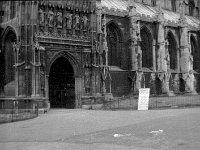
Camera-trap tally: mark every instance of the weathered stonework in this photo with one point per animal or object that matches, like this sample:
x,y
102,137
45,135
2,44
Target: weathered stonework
x,y
93,49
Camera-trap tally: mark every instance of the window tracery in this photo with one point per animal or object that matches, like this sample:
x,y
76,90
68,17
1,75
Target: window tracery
x,y
146,47
113,45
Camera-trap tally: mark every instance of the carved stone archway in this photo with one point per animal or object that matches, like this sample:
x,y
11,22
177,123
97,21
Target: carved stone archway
x,y
76,74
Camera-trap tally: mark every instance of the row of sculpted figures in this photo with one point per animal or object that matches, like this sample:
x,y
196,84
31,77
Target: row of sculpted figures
x,y
69,21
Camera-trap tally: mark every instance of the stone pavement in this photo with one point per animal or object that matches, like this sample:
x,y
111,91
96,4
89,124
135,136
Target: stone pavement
x,y
97,129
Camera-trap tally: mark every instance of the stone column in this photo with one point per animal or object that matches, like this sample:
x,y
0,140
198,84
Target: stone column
x,y
187,61
16,48
46,86
162,65
78,91
27,41
154,55
162,54
135,47
135,50
93,21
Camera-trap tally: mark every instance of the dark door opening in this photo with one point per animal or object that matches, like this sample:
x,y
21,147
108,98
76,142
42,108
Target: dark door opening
x,y
182,85
158,86
62,84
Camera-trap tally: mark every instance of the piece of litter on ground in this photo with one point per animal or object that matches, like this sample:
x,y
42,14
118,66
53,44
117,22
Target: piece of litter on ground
x,y
156,132
120,135
117,135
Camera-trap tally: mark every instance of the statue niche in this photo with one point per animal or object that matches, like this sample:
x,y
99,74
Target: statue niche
x,y
59,19
76,22
68,18
84,21
51,17
41,17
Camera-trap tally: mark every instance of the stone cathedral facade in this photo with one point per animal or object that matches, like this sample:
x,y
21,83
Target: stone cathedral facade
x,y
67,53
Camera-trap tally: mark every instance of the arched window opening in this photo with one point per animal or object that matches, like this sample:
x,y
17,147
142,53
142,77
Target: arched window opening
x,y
195,54
7,74
191,7
113,42
9,56
146,47
172,51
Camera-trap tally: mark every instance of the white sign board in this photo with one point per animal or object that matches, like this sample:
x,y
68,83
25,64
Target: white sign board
x,y
143,101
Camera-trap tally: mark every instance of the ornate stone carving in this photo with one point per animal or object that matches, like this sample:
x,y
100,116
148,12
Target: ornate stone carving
x,y
68,20
51,17
41,17
99,14
59,19
76,22
84,23
50,55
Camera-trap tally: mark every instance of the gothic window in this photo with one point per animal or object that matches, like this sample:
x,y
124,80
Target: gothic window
x,y
173,3
9,57
172,51
12,9
146,47
191,7
113,41
195,54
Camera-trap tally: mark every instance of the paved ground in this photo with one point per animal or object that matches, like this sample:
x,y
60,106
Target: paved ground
x,y
173,129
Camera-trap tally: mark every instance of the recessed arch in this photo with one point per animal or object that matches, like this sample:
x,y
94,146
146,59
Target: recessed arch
x,y
146,47
69,57
172,50
114,42
64,81
7,76
5,32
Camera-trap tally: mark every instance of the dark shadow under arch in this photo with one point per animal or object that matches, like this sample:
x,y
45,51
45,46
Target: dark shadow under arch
x,y
181,85
172,49
7,70
146,47
114,42
158,83
73,61
62,84
195,54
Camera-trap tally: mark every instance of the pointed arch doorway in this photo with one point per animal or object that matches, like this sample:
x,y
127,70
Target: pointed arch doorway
x,y
62,84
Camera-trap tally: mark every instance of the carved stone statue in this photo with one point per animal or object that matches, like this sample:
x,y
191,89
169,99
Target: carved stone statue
x,y
85,22
41,17
50,17
68,21
59,19
76,22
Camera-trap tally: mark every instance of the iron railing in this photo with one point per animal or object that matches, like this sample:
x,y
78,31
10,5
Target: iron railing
x,y
155,102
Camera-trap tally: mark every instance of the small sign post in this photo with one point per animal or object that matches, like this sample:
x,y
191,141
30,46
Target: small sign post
x,y
143,100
